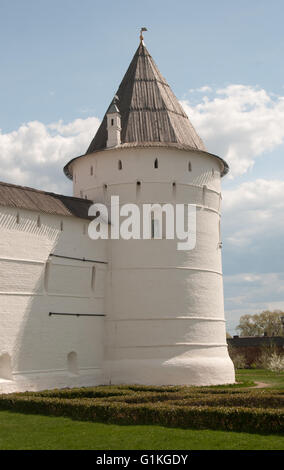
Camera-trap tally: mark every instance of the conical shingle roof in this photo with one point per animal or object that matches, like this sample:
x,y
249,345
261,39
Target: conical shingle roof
x,y
150,112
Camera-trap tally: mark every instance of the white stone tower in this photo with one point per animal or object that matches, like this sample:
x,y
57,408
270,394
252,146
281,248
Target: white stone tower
x,y
165,314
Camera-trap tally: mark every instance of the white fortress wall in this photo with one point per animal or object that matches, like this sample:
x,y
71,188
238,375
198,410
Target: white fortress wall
x,y
38,350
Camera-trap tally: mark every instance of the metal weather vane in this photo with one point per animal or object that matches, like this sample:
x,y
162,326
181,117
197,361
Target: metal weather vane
x,y
141,33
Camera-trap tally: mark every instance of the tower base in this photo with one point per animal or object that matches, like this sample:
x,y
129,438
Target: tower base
x,y
181,370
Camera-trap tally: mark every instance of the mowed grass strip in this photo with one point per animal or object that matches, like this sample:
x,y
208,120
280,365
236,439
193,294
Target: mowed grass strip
x,y
30,432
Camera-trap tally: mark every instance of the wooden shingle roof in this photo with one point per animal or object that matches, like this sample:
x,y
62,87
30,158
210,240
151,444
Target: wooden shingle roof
x,y
149,110
22,197
151,115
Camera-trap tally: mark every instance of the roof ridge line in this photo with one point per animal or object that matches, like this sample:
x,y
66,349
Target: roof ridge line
x,y
155,70
132,108
152,80
40,191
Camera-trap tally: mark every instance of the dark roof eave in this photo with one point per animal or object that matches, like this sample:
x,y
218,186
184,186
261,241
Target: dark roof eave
x,y
145,145
66,167
27,198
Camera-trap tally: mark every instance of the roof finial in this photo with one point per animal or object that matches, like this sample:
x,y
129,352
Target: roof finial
x,y
141,34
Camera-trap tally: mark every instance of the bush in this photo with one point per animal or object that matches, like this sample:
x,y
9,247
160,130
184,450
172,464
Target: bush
x,y
256,400
276,363
270,359
232,410
238,359
87,392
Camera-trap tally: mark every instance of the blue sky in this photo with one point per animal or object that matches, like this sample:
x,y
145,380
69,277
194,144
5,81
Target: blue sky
x,y
62,61
78,50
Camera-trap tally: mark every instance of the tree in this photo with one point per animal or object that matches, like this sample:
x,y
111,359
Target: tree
x,y
266,323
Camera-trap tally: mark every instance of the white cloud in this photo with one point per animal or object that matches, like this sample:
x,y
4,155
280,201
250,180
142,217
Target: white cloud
x,y
35,154
263,292
253,211
276,306
202,89
205,88
239,123
253,235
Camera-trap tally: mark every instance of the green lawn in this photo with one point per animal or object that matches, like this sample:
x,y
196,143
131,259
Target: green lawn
x,y
24,431
27,432
274,379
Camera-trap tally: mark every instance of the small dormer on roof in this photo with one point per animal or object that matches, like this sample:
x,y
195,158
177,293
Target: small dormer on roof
x,y
113,124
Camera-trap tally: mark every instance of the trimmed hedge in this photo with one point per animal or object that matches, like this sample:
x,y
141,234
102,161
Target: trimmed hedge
x,y
92,392
247,400
116,390
123,390
181,396
165,413
224,408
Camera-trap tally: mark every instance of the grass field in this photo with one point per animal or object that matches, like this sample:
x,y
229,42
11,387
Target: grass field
x,y
20,431
273,379
27,431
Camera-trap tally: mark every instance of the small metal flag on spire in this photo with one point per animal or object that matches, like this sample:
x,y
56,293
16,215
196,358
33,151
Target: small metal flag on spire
x,y
141,33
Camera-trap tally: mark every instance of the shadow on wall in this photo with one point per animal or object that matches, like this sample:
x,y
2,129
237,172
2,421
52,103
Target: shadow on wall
x,y
72,361
5,367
